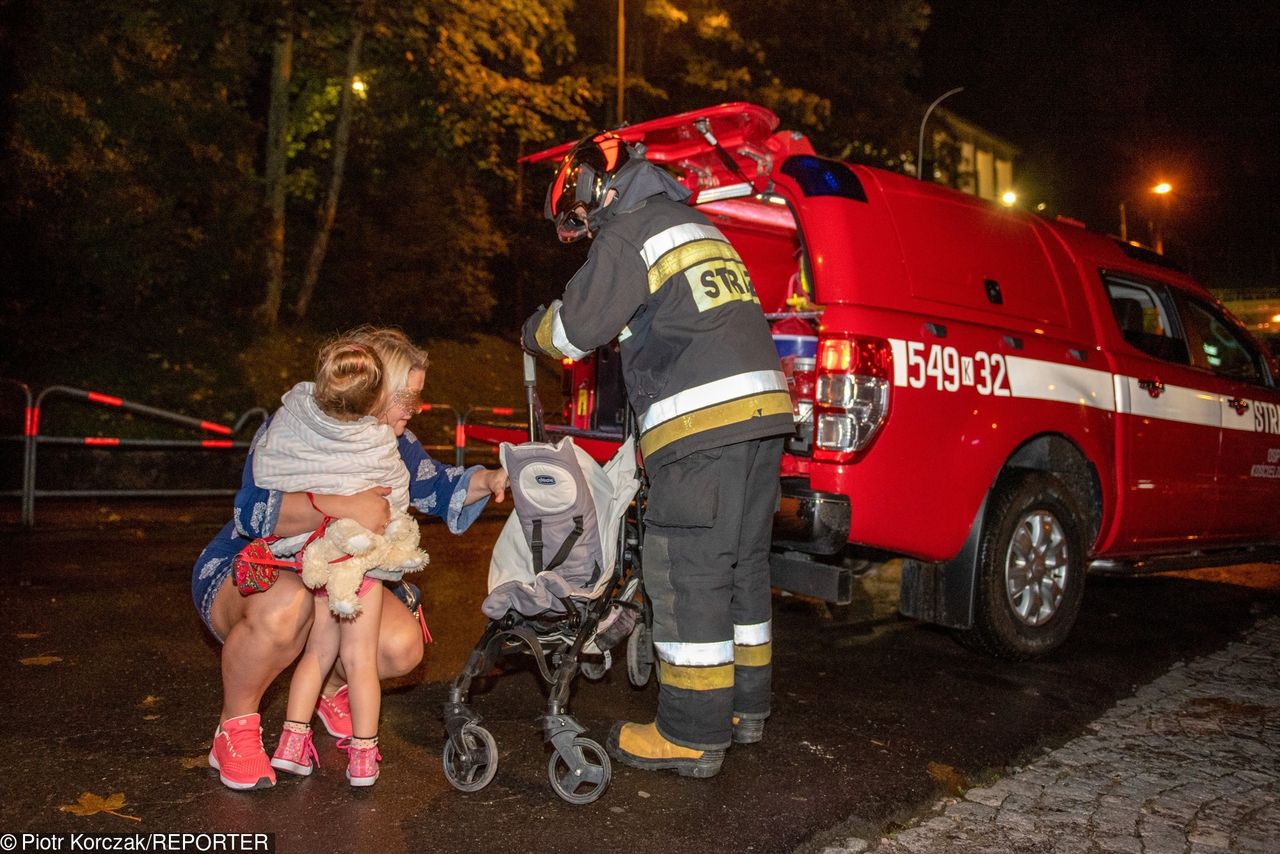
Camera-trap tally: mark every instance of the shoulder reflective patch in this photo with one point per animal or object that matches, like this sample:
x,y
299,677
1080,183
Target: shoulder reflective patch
x,y
686,256
664,241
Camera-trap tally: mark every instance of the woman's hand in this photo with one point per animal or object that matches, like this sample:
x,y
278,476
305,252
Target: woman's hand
x,y
488,482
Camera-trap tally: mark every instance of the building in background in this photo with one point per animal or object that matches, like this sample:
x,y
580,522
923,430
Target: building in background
x,y
970,158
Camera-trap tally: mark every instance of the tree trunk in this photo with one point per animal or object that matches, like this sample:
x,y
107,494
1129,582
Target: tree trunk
x,y
329,210
277,121
517,204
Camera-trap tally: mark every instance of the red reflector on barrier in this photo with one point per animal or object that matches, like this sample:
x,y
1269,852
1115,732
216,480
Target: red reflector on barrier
x,y
216,443
426,407
105,399
503,410
215,428
28,428
101,440
459,436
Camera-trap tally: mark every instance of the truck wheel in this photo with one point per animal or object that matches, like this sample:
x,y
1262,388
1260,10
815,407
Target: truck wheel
x,y
1031,565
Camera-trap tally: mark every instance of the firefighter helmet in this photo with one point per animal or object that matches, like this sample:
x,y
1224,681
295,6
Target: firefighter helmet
x,y
582,181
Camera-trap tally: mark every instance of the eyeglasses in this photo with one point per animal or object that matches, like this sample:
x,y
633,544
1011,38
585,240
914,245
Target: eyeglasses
x,y
408,399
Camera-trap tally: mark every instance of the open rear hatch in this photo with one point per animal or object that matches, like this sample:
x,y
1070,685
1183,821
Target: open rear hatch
x,y
720,152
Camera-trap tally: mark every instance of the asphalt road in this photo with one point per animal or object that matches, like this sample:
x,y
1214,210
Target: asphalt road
x,y
111,686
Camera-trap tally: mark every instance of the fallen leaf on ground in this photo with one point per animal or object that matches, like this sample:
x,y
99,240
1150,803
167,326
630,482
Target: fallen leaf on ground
x,y
150,701
39,660
28,635
151,717
189,762
91,804
949,777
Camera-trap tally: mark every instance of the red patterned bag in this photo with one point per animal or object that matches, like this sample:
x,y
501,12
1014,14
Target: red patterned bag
x,y
255,568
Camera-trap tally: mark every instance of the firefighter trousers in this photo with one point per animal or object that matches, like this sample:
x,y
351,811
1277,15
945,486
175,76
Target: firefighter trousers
x,y
706,572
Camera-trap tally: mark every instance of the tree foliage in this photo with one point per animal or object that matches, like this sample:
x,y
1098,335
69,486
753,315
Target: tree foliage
x,y
136,143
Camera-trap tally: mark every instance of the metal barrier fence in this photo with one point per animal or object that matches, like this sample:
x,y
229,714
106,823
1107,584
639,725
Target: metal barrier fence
x,y
31,439
25,439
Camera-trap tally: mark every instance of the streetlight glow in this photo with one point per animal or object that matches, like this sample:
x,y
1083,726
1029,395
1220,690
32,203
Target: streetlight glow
x,y
1162,188
1008,198
359,86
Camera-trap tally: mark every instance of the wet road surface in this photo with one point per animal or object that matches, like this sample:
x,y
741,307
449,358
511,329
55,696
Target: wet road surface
x,y
111,685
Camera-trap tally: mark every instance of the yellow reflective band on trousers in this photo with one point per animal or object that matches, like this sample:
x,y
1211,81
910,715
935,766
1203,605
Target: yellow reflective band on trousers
x,y
543,335
701,420
753,656
695,678
688,255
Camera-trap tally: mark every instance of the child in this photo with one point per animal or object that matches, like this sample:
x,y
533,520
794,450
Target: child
x,y
333,438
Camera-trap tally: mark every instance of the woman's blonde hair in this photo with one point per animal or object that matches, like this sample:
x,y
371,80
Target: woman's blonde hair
x,y
349,378
399,355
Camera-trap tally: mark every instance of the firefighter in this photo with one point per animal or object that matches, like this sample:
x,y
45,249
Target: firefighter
x,y
704,380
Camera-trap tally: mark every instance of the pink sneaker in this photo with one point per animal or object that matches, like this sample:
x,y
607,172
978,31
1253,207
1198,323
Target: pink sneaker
x,y
295,753
238,756
362,763
335,713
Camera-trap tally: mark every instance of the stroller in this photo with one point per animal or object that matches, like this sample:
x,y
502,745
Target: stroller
x,y
569,611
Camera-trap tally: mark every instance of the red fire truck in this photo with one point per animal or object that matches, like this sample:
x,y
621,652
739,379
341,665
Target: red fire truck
x,y
1005,401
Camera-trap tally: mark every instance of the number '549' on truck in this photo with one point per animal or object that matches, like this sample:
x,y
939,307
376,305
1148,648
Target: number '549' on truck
x,y
1007,402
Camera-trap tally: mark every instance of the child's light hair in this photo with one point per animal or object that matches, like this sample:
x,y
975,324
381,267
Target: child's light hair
x,y
399,355
349,379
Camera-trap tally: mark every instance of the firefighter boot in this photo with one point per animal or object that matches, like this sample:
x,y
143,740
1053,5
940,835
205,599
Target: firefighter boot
x,y
642,746
747,730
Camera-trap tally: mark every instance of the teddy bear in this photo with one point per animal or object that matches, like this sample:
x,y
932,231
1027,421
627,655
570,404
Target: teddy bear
x,y
339,560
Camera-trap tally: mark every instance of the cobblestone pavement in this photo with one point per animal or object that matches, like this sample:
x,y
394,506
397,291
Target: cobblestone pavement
x,y
1190,763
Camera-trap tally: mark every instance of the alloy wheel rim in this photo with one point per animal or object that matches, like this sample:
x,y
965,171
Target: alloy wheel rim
x,y
1036,568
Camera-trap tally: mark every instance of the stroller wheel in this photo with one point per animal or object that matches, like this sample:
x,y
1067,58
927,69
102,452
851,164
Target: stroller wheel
x,y
596,668
583,776
473,767
640,655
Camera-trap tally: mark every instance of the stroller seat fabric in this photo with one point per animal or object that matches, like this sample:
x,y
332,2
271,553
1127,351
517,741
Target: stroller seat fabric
x,y
560,541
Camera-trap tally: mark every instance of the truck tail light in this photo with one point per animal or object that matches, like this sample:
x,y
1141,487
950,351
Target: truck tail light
x,y
852,394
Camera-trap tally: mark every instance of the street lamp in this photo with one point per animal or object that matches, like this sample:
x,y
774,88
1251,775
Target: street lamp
x,y
1009,198
1162,190
920,149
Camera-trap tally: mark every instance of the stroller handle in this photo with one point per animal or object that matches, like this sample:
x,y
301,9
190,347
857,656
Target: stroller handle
x,y
531,398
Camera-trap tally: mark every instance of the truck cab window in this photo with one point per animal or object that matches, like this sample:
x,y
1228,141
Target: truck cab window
x,y
1143,314
1218,346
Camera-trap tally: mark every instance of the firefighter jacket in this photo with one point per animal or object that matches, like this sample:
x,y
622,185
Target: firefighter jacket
x,y
700,366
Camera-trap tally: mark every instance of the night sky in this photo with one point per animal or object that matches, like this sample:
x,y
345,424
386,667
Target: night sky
x,y
1106,99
